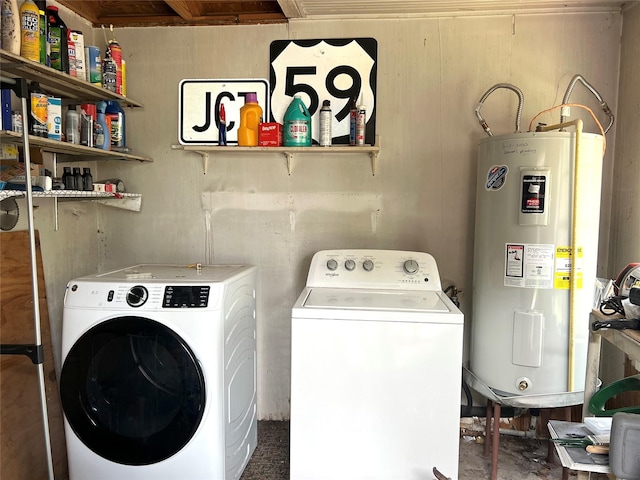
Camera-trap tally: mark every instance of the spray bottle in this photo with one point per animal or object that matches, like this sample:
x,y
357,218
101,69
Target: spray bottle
x,y
325,124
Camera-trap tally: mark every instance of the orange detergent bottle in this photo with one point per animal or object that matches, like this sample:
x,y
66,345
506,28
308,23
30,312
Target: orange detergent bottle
x,y
250,116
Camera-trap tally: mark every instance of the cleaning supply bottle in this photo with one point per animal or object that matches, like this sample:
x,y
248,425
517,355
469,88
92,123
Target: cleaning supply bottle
x,y
59,50
72,125
297,124
30,31
250,116
10,26
77,178
38,115
326,119
44,50
118,134
68,179
87,180
103,133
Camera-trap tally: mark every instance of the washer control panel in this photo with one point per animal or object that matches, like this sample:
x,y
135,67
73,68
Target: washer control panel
x,y
374,269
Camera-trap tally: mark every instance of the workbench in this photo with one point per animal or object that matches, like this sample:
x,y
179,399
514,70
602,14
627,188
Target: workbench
x,y
627,341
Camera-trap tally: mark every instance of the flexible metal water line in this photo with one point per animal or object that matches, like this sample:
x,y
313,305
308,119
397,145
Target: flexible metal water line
x,y
605,108
578,124
516,90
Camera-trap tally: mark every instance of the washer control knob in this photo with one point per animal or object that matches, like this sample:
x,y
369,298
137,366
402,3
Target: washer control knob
x,y
367,265
332,264
137,296
410,266
350,265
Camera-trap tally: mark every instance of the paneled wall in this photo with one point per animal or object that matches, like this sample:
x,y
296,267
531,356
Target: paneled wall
x,y
247,209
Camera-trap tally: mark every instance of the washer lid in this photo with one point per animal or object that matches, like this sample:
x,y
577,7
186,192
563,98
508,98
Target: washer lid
x,y
387,300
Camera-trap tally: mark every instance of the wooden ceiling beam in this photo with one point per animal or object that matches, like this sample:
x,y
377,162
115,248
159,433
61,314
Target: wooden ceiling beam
x,y
188,10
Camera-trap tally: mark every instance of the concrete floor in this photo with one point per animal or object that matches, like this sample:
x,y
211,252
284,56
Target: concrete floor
x,y
519,458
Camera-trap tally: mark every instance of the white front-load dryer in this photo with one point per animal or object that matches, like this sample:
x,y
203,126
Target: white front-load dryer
x,y
159,373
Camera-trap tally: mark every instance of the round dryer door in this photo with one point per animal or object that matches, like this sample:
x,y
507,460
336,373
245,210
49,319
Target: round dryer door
x,y
132,391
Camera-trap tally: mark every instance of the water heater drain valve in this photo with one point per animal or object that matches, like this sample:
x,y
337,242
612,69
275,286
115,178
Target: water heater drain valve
x,y
523,383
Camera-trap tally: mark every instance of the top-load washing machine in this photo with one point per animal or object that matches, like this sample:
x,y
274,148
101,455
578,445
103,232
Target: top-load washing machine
x,y
376,367
159,373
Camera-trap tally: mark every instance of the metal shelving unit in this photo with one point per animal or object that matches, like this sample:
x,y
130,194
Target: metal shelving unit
x,y
69,152
125,201
57,83
15,73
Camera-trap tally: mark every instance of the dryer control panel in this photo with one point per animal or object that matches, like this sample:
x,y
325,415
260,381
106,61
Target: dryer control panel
x,y
384,269
183,296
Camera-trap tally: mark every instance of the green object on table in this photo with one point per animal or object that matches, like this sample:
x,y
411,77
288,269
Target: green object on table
x,y
573,442
602,396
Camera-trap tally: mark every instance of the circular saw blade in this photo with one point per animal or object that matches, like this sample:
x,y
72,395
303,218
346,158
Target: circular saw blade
x,y
9,213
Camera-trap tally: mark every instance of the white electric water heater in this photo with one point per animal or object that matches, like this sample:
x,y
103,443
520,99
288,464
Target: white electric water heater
x,y
536,248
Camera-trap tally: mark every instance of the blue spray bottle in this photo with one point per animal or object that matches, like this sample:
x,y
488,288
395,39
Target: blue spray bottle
x,y
103,132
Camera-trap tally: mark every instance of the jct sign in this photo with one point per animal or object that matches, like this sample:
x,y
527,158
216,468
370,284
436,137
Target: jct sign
x,y
199,108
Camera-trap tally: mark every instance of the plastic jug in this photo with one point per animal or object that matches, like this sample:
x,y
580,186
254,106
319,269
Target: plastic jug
x,y
297,124
103,131
250,116
30,31
57,40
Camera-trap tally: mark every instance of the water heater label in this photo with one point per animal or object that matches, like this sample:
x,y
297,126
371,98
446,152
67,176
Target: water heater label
x,y
496,177
564,260
529,265
533,193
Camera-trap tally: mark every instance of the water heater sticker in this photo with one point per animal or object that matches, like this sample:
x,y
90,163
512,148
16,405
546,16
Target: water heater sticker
x,y
533,193
515,261
496,177
529,265
562,274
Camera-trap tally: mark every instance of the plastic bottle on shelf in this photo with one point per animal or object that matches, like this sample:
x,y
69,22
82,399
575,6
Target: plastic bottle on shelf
x,y
57,38
297,124
118,125
87,180
10,26
87,126
103,134
30,31
68,179
44,50
39,105
72,125
71,50
77,178
250,116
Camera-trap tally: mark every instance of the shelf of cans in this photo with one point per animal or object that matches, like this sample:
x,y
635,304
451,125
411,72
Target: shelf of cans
x,y
64,148
57,83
